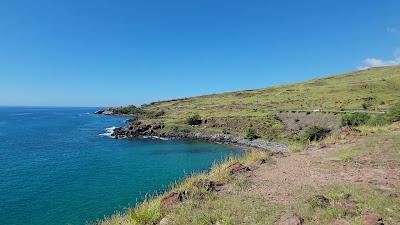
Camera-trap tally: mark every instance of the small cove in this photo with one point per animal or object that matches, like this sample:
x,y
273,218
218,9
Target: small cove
x,y
56,168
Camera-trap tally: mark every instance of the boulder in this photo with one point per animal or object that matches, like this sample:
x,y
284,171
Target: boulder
x,y
371,219
289,219
174,198
238,168
99,112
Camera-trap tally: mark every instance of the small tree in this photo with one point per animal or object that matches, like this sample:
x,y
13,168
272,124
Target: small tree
x,y
194,120
251,134
355,119
366,105
316,133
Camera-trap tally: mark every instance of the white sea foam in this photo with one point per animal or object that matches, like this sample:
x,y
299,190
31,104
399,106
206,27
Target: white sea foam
x,y
156,137
108,132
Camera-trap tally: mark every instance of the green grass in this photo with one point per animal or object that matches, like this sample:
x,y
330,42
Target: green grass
x,y
379,148
148,213
234,209
227,209
367,200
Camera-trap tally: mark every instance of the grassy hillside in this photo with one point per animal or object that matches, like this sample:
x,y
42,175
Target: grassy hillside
x,y
270,112
380,87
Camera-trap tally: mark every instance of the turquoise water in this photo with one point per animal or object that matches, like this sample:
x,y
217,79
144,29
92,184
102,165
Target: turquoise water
x,y
55,168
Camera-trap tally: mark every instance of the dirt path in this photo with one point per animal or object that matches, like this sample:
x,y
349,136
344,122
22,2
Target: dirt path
x,y
283,180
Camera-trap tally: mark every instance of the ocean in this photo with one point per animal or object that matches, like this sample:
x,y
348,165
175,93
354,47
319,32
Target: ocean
x,y
58,166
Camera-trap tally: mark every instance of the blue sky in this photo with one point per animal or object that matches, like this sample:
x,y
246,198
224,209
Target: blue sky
x,y
105,53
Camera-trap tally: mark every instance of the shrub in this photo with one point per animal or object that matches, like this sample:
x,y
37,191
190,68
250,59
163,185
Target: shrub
x,y
154,114
194,120
126,110
225,131
394,113
366,105
251,134
378,120
355,119
316,133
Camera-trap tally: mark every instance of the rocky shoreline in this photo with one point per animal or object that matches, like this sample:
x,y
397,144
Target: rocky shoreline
x,y
135,130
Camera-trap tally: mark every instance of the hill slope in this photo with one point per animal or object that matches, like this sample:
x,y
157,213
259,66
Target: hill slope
x,y
273,113
379,86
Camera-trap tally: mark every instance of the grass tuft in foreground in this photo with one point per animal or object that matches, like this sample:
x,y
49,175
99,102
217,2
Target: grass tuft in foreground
x,y
151,210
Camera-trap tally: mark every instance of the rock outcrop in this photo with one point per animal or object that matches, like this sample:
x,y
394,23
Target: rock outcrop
x,y
290,219
238,168
371,219
107,112
133,130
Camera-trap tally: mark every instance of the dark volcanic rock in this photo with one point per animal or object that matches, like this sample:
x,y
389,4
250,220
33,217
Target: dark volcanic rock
x,y
208,185
99,112
174,198
238,168
107,111
136,129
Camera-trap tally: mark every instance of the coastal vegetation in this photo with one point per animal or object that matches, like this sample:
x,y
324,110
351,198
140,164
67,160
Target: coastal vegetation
x,y
344,130
194,120
282,113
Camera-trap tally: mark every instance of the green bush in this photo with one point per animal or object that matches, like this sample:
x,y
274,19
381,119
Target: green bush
x,y
126,110
225,131
251,134
355,119
316,133
366,105
394,113
194,120
378,120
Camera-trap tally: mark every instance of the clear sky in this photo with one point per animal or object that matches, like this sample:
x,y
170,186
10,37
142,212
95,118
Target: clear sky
x,y
116,52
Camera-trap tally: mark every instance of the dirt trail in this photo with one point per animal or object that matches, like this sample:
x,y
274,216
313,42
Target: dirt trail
x,y
283,180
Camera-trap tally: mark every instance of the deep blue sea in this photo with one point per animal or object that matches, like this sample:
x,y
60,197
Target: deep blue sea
x,y
56,168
